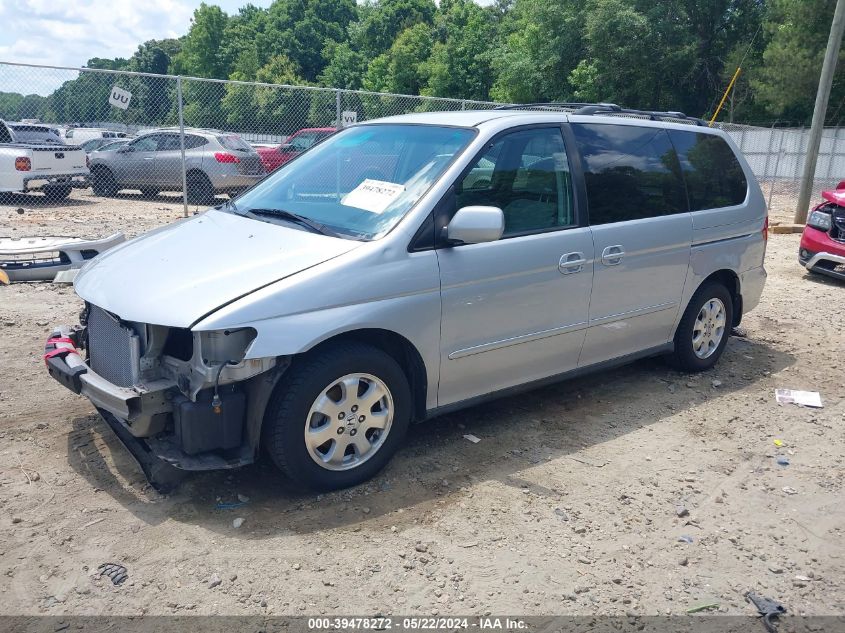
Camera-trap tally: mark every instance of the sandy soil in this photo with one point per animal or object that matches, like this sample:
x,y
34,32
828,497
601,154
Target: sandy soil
x,y
578,499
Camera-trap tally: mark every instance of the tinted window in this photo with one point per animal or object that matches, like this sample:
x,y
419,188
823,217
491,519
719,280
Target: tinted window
x,y
192,141
169,143
631,172
34,134
713,175
525,174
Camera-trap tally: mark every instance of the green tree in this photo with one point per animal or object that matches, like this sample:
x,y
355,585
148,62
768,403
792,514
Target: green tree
x,y
786,82
384,20
542,42
200,55
460,64
346,67
301,30
267,109
402,69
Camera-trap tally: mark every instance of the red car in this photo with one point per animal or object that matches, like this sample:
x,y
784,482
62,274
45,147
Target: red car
x,y
274,157
822,247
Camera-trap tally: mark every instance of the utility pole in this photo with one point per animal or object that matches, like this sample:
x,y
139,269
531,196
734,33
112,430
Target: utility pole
x,y
825,82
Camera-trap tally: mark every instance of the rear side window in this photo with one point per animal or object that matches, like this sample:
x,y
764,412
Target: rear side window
x,y
5,137
713,175
192,141
231,141
631,172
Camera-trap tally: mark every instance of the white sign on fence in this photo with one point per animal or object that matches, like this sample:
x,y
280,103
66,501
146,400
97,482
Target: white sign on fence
x,y
120,98
349,117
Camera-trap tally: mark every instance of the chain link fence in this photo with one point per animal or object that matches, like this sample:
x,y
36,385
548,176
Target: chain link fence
x,y
193,142
158,137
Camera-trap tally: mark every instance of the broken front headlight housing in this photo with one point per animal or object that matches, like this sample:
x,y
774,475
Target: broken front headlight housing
x,y
820,220
225,346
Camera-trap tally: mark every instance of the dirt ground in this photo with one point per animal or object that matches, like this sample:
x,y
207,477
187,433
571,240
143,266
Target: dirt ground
x,y
579,499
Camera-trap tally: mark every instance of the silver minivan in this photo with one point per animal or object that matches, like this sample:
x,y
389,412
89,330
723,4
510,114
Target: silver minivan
x,y
410,266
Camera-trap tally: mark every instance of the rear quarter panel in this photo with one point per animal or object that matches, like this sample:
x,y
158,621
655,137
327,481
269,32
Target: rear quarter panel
x,y
730,238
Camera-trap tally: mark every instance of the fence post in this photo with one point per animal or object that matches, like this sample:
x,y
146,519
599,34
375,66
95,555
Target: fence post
x,y
777,169
463,104
182,146
338,107
769,150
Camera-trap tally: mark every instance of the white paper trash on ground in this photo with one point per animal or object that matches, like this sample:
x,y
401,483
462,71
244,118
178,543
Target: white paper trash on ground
x,y
472,438
803,398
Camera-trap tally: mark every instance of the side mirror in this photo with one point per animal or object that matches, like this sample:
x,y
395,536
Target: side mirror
x,y
476,224
126,150
285,147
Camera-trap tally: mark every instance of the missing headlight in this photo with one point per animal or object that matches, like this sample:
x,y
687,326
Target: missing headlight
x,y
225,346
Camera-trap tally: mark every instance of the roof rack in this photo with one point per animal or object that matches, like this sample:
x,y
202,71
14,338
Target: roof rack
x,y
604,108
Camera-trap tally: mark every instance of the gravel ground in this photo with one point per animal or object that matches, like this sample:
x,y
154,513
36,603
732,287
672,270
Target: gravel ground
x,y
639,490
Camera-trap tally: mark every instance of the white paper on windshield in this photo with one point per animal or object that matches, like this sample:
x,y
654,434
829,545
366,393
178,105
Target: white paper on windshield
x,y
373,195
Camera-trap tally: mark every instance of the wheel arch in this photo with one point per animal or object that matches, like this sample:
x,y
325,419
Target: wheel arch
x,y
400,349
730,280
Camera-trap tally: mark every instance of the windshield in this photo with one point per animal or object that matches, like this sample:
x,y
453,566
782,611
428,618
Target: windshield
x,y
363,180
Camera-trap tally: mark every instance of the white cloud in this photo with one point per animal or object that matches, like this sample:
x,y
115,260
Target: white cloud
x,y
70,32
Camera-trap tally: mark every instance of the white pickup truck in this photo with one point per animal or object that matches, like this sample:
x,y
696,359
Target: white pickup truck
x,y
52,168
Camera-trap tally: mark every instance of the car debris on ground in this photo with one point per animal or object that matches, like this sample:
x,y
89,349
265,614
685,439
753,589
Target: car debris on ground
x,y
46,258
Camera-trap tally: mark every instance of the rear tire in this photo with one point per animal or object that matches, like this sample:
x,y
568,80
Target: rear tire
x,y
57,193
338,416
200,190
704,329
103,183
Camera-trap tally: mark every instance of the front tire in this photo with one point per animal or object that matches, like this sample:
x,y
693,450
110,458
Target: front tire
x,y
338,416
704,329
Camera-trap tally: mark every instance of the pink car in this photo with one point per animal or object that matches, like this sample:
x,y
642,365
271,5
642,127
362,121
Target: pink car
x,y
274,157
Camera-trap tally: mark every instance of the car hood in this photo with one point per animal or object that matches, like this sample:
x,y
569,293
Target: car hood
x,y
177,274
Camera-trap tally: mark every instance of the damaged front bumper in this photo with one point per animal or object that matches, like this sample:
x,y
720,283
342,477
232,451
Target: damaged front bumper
x,y
42,258
160,425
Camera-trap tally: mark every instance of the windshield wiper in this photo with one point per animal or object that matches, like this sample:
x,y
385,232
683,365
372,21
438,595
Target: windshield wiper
x,y
315,227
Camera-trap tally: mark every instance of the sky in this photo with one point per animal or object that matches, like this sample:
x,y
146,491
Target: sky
x,y
70,32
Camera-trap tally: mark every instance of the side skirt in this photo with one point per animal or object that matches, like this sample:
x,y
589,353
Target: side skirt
x,y
666,348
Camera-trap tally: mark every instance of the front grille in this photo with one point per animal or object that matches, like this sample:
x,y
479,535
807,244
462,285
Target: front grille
x,y
113,349
251,165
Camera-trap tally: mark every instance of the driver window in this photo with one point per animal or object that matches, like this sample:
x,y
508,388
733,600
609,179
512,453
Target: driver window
x,y
526,174
146,144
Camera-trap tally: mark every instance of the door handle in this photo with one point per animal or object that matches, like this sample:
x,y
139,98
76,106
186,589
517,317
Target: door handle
x,y
612,255
571,263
